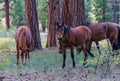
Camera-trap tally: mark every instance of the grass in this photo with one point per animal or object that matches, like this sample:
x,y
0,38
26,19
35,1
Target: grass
x,y
43,41
50,61
7,45
40,61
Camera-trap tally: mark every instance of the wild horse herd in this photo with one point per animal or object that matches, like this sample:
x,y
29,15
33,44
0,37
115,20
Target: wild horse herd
x,y
83,35
80,37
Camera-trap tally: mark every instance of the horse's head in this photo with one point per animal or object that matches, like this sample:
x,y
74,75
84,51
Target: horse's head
x,y
60,31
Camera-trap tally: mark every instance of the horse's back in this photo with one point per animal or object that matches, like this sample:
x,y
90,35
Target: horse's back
x,y
102,30
87,32
84,32
23,36
24,29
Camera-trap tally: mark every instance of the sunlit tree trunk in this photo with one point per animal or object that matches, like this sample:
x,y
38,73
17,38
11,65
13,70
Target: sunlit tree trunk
x,y
7,13
53,17
32,22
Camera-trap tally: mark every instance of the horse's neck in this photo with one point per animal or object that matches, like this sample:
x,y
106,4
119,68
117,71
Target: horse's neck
x,y
68,36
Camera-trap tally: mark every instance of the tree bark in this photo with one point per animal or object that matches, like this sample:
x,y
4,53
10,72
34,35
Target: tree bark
x,y
53,17
73,12
7,13
115,11
32,22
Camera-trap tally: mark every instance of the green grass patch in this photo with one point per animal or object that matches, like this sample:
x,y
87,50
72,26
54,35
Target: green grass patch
x,y
43,41
40,61
7,45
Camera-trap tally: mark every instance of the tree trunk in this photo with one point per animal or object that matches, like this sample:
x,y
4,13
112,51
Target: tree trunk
x,y
73,12
32,22
53,17
103,11
115,11
79,15
67,12
7,13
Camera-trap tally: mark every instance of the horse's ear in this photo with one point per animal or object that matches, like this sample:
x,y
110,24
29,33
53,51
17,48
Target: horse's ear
x,y
57,23
62,23
87,23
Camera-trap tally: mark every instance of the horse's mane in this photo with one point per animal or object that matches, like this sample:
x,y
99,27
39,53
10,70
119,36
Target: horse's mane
x,y
85,23
66,29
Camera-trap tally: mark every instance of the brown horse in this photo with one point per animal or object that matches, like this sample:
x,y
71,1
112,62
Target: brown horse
x,y
102,31
69,37
24,43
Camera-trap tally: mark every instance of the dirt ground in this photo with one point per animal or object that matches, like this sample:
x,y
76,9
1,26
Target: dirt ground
x,y
70,75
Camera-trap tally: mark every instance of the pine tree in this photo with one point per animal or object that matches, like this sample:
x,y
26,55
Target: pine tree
x,y
101,10
32,22
88,10
7,13
42,11
18,13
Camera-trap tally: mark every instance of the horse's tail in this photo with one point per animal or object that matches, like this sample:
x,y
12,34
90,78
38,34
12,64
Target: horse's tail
x,y
118,36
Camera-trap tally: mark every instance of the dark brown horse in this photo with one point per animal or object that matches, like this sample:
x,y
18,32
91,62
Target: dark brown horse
x,y
106,30
24,43
70,37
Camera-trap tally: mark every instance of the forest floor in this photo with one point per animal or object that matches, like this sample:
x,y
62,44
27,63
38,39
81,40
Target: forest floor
x,y
46,66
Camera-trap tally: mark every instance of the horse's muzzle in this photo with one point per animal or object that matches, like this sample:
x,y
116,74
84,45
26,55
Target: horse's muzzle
x,y
60,52
60,39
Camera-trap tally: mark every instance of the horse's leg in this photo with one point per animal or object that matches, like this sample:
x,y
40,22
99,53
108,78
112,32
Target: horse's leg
x,y
17,63
25,57
84,47
22,57
78,49
89,48
113,41
72,56
64,57
114,45
28,56
98,47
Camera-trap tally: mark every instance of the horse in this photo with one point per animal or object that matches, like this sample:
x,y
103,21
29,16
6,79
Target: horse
x,y
105,30
71,37
24,43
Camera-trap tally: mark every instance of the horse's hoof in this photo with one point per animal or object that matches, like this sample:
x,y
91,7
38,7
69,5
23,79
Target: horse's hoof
x,y
29,61
17,64
74,66
84,63
92,56
24,64
63,67
60,52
